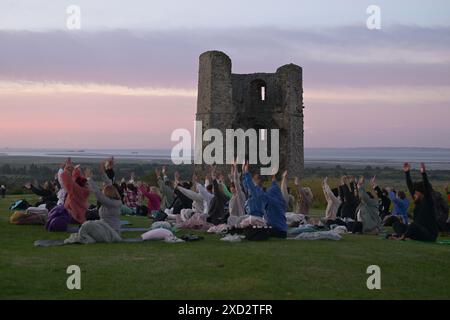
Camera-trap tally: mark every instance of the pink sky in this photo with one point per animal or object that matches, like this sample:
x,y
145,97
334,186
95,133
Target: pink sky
x,y
118,90
111,121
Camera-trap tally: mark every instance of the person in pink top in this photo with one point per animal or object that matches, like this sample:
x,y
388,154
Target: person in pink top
x,y
154,199
77,192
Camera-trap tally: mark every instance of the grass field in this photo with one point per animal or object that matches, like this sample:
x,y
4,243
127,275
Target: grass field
x,y
211,269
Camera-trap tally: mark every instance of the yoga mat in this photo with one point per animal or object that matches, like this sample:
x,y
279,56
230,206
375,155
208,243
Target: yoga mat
x,y
55,243
75,229
134,229
48,243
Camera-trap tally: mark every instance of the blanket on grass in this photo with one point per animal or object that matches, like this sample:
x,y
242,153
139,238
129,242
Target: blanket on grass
x,y
93,232
321,235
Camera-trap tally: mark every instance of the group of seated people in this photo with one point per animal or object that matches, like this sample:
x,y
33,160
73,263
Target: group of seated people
x,y
351,203
217,200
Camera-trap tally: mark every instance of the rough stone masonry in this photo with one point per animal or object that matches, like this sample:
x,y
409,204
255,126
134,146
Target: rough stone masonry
x,y
258,100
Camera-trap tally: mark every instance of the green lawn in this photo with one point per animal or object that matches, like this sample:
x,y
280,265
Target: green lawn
x,y
211,269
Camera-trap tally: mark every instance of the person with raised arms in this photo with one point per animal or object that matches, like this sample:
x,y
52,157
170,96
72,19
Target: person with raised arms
x,y
333,201
368,218
424,227
78,192
273,202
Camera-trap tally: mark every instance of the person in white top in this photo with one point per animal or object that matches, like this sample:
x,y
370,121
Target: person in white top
x,y
333,202
238,198
200,196
62,192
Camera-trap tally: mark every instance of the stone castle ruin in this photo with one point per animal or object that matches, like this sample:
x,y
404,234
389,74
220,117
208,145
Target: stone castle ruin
x,y
259,101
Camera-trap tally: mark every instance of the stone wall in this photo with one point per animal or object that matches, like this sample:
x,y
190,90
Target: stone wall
x,y
234,101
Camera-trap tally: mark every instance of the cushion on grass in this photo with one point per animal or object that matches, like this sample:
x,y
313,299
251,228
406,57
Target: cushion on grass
x,y
157,234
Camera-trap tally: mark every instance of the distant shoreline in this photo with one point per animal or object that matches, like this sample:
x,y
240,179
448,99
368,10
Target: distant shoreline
x,y
323,158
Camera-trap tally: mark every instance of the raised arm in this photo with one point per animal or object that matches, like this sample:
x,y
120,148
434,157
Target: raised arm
x,y
226,191
39,192
284,187
301,191
105,178
166,191
427,185
195,196
249,183
394,198
327,190
204,193
409,182
67,180
362,191
104,200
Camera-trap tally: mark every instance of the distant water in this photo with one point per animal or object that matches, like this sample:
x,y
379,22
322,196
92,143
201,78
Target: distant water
x,y
144,154
437,158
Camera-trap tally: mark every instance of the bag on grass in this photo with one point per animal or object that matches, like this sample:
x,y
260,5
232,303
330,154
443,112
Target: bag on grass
x,y
142,211
92,214
257,233
20,205
191,237
22,218
161,225
158,215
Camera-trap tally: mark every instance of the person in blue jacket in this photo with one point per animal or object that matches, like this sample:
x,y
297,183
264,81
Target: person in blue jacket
x,y
253,187
272,201
401,205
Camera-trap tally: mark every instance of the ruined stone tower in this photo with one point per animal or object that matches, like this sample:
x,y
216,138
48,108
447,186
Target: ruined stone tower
x,y
259,101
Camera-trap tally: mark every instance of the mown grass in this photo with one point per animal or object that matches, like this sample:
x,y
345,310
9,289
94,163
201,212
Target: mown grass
x,y
212,269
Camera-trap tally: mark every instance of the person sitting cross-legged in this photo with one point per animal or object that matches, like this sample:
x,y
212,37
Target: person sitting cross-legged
x,y
424,227
273,202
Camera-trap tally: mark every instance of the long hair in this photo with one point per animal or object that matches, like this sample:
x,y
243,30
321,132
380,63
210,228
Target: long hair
x,y
111,192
